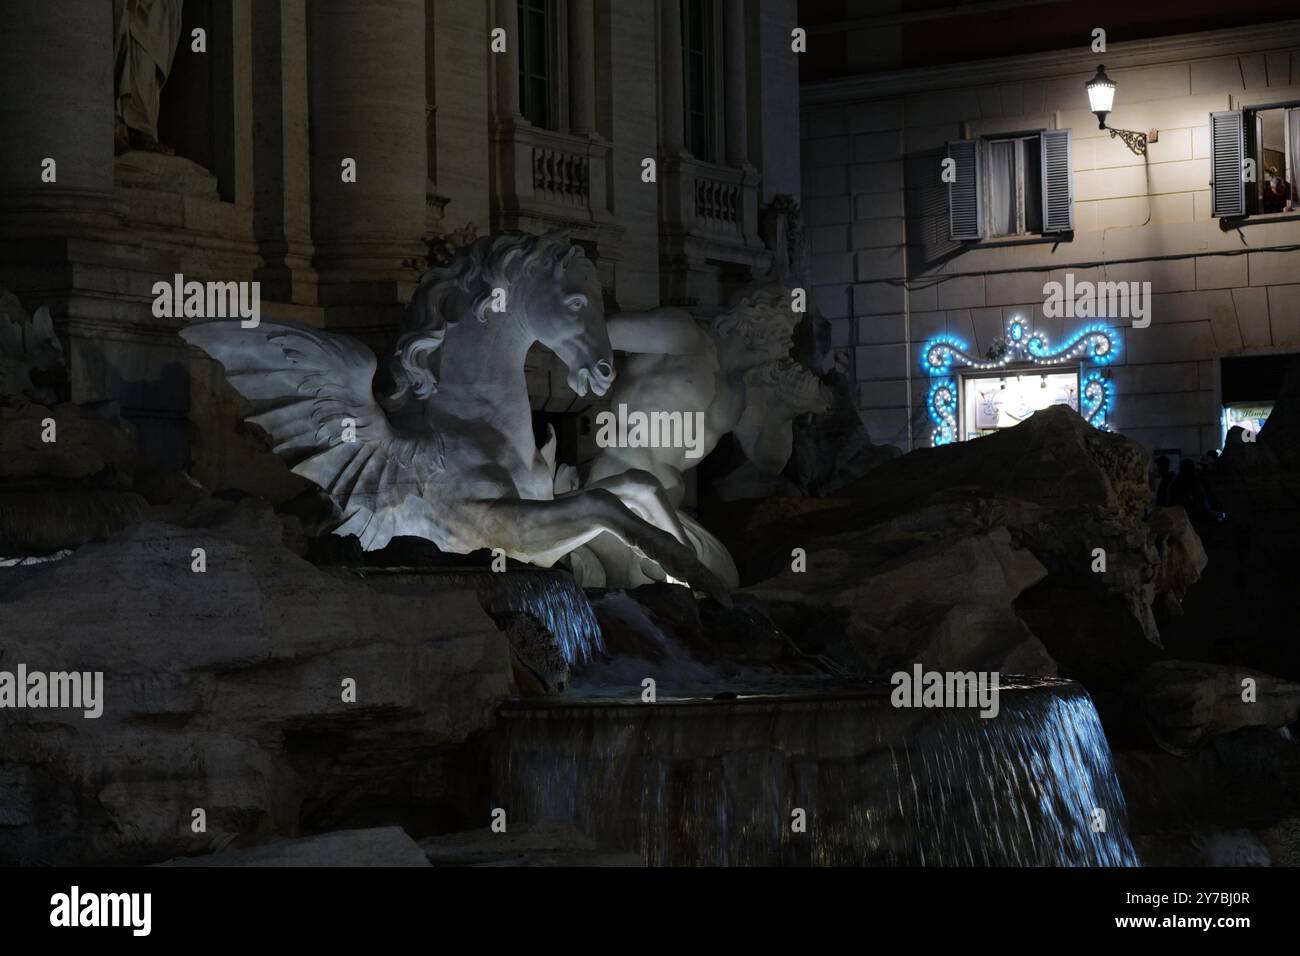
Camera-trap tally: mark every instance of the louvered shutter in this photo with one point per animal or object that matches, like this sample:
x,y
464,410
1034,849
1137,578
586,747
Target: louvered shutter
x,y
1058,181
1227,154
965,211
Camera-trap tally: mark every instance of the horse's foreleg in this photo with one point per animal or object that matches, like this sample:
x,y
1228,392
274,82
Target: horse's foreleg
x,y
641,491
543,531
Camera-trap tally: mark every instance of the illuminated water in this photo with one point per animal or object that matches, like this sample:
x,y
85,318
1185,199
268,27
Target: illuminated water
x,y
556,601
691,781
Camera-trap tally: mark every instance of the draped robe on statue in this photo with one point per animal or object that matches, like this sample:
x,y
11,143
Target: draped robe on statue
x,y
145,37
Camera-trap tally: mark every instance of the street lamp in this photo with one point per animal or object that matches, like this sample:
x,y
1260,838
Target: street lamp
x,y
1101,97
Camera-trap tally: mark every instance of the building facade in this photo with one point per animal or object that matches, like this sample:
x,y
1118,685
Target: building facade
x,y
903,257
330,150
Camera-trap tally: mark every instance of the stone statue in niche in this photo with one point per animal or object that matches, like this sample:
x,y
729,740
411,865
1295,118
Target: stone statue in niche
x,y
446,451
145,35
736,372
783,235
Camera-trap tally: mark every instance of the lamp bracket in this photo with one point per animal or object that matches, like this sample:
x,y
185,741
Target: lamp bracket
x,y
1135,141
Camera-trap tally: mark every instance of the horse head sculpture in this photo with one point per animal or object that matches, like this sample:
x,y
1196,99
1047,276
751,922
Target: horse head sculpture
x,y
520,290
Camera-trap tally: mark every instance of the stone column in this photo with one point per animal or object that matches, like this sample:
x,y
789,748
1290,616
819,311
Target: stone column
x,y
282,151
367,104
734,83
582,66
56,74
507,63
672,109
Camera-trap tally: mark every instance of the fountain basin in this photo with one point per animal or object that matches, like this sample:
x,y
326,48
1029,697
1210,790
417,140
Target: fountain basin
x,y
690,780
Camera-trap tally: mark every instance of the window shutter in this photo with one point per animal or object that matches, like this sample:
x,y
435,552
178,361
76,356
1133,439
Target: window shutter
x,y
1227,153
1058,183
965,211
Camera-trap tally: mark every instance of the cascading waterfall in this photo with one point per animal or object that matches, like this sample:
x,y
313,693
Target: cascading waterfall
x,y
555,600
690,782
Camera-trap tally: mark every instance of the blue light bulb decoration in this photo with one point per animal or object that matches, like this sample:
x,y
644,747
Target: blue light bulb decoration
x,y
1097,343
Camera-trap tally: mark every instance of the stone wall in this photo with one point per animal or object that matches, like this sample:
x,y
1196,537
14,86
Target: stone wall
x,y
889,278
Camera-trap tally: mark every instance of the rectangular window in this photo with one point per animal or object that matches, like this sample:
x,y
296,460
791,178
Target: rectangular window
x,y
1013,187
536,62
1265,140
990,403
1275,133
698,79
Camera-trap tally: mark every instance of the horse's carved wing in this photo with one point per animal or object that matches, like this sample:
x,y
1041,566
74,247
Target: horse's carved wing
x,y
306,386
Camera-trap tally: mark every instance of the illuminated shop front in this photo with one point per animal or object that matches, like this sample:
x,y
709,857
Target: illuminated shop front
x,y
1249,416
1250,386
972,396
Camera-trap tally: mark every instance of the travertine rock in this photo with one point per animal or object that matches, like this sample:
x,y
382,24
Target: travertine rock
x,y
523,844
980,551
223,690
1185,703
880,599
89,442
378,846
1182,555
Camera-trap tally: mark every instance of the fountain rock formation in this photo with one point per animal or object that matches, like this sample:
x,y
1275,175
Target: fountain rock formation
x,y
548,620
66,470
1187,703
978,551
225,690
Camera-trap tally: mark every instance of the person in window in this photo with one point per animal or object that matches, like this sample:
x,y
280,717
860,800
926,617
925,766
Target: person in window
x,y
1275,192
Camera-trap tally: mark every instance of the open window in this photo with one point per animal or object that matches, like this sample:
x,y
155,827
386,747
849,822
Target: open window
x,y
1255,161
1011,185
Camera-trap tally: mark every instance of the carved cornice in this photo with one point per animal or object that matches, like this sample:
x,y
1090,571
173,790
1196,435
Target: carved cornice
x,y
1054,64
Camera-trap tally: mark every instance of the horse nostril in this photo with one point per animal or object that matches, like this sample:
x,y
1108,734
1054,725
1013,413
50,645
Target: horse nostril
x,y
604,368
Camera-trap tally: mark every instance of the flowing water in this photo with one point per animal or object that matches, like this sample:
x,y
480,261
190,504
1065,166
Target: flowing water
x,y
556,601
700,781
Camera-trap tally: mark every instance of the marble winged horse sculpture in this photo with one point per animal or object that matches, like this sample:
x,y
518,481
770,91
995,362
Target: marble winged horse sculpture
x,y
446,451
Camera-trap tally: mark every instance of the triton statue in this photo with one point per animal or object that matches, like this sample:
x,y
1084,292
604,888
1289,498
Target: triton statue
x,y
736,375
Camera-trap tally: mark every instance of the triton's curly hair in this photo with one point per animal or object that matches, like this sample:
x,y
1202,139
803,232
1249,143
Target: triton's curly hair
x,y
761,316
465,286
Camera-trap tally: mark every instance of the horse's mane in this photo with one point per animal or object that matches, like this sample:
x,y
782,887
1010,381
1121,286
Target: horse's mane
x,y
465,286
